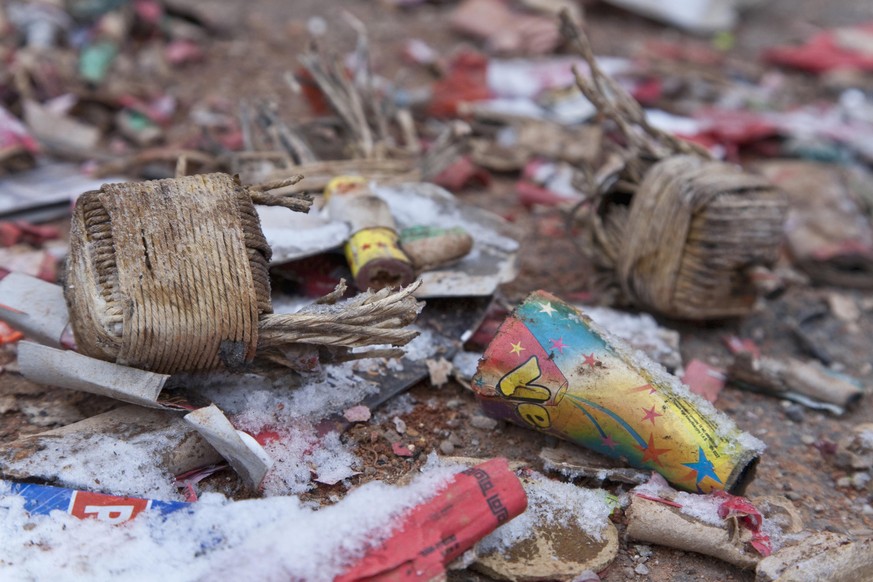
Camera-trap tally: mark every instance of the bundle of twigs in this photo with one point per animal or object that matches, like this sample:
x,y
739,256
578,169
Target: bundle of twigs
x,y
670,229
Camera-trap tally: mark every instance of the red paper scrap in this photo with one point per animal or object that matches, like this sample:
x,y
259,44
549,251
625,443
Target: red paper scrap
x,y
462,173
401,450
703,379
738,346
465,82
748,517
825,52
434,533
9,335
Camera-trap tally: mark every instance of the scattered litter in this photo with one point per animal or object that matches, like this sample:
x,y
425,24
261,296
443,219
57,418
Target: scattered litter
x,y
34,307
68,369
472,505
431,247
827,233
808,383
44,192
401,450
192,342
841,48
504,30
479,273
239,449
214,215
373,249
700,16
221,536
855,451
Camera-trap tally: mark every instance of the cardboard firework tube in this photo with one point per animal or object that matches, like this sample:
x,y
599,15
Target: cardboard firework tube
x,y
472,505
372,251
550,368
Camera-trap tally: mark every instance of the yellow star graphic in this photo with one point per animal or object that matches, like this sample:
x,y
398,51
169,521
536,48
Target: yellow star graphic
x,y
517,349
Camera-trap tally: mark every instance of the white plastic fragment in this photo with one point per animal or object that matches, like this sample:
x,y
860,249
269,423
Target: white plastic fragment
x,y
34,307
700,16
66,369
247,457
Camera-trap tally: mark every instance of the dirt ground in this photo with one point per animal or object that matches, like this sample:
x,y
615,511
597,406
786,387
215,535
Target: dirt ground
x,y
249,66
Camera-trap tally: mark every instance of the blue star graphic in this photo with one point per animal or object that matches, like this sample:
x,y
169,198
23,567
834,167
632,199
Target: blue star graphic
x,y
479,382
703,467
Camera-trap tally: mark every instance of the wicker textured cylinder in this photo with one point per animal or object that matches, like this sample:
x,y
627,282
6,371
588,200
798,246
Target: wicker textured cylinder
x,y
694,230
168,275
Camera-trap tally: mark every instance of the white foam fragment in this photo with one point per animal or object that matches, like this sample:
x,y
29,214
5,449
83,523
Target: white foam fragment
x,y
552,503
259,539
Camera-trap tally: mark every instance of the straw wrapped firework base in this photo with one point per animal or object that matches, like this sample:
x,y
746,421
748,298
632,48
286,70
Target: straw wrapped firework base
x,y
172,276
690,240
672,230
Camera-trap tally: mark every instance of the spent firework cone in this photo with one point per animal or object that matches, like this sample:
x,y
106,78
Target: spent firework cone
x,y
550,368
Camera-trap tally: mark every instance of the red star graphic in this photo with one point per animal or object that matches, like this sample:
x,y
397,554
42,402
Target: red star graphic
x,y
650,414
608,442
650,453
558,344
648,387
365,246
591,360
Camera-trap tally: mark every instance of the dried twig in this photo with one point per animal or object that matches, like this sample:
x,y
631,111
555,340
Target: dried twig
x,y
615,104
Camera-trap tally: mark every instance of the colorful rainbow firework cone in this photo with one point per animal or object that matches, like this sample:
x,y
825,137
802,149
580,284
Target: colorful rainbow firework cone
x,y
552,369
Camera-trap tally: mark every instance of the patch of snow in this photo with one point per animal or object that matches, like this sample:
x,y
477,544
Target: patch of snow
x,y
552,503
465,363
701,507
130,465
640,331
273,539
397,406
